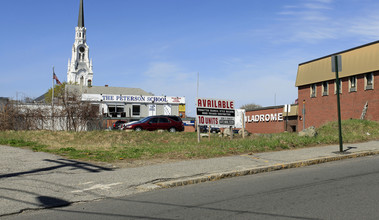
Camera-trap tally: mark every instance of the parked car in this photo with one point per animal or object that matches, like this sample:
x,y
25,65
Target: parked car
x,y
204,129
122,127
159,122
117,124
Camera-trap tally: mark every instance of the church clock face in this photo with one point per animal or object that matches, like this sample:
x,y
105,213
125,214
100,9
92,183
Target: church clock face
x,y
81,49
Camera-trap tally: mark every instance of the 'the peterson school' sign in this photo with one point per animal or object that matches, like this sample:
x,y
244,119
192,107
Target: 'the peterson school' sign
x,y
133,98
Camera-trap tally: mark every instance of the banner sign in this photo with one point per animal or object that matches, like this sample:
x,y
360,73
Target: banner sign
x,y
215,112
133,98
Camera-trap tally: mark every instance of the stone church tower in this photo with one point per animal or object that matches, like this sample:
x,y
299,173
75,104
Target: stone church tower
x,y
79,68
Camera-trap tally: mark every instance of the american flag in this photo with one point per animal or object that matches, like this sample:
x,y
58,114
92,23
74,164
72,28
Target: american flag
x,y
56,79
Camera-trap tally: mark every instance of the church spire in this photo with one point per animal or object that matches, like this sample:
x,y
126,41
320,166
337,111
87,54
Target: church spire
x,y
80,68
81,15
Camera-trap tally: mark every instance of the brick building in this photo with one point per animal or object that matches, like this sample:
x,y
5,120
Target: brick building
x,y
274,119
317,87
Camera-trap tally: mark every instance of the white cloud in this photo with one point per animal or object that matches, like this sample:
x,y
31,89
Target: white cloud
x,y
306,22
164,70
367,26
316,6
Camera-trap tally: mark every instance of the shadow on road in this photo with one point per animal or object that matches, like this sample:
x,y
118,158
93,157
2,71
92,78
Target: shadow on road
x,y
48,202
61,164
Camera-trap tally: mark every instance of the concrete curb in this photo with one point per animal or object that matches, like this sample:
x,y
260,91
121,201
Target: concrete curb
x,y
256,170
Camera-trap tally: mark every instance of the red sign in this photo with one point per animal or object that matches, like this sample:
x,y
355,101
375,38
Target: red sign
x,y
213,103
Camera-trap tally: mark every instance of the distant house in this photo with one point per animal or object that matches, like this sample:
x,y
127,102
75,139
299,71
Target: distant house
x,y
359,81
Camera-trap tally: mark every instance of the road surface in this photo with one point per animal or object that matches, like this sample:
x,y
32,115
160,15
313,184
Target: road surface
x,y
346,189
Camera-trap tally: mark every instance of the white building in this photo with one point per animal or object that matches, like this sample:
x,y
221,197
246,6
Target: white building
x,y
129,103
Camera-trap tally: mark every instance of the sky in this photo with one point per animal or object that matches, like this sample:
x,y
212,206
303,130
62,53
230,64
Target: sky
x,y
242,50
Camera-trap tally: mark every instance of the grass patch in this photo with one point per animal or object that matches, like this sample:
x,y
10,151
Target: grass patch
x,y
111,146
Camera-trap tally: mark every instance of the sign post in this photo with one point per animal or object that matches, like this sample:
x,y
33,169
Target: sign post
x,y
337,66
243,126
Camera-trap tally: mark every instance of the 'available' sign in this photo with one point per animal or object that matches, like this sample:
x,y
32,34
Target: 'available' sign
x,y
215,112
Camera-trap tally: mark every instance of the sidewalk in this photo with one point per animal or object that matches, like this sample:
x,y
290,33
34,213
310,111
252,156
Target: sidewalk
x,y
34,180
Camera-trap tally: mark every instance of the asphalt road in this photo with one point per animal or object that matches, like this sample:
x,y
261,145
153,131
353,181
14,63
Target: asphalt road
x,y
346,189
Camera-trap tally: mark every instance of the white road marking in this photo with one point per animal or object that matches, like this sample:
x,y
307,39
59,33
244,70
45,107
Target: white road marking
x,y
97,186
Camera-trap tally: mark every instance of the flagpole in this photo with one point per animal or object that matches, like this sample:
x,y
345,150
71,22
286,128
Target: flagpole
x,y
52,101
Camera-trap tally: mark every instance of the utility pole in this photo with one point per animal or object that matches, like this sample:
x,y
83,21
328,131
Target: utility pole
x,y
52,102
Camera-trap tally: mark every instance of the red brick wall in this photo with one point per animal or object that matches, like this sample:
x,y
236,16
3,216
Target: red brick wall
x,y
189,128
264,126
322,109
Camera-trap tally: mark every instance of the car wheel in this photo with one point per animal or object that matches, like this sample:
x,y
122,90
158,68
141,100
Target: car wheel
x,y
172,130
138,129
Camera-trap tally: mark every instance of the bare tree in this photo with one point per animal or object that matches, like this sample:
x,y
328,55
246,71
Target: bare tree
x,y
78,113
69,113
20,116
250,107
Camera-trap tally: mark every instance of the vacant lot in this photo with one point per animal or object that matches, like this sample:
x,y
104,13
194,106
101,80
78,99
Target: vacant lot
x,y
131,147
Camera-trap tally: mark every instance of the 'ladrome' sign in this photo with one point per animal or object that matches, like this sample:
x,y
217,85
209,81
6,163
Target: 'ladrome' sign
x,y
215,112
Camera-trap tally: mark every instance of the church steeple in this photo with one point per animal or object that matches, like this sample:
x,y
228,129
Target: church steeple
x,y
80,66
81,15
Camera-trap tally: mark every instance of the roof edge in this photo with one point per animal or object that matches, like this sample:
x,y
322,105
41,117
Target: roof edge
x,y
344,51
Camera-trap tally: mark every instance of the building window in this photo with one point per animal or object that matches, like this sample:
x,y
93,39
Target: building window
x,y
352,83
335,86
136,110
325,88
116,111
313,90
369,81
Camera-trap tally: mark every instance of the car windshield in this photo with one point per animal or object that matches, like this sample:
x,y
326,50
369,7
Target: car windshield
x,y
144,120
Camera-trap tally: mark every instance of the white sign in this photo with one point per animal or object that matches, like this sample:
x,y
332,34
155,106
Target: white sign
x,y
287,108
133,98
215,112
152,110
265,118
238,118
167,109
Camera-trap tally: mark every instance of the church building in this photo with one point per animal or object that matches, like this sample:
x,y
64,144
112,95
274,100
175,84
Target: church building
x,y
79,68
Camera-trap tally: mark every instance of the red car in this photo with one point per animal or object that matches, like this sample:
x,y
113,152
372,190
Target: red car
x,y
161,122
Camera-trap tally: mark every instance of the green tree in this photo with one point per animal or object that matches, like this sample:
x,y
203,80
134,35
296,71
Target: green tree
x,y
250,107
58,92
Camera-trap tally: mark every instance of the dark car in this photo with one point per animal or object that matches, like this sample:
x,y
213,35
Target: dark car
x,y
160,122
204,129
117,124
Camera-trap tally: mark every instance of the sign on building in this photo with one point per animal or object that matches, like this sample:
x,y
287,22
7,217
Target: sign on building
x,y
240,118
215,112
152,109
